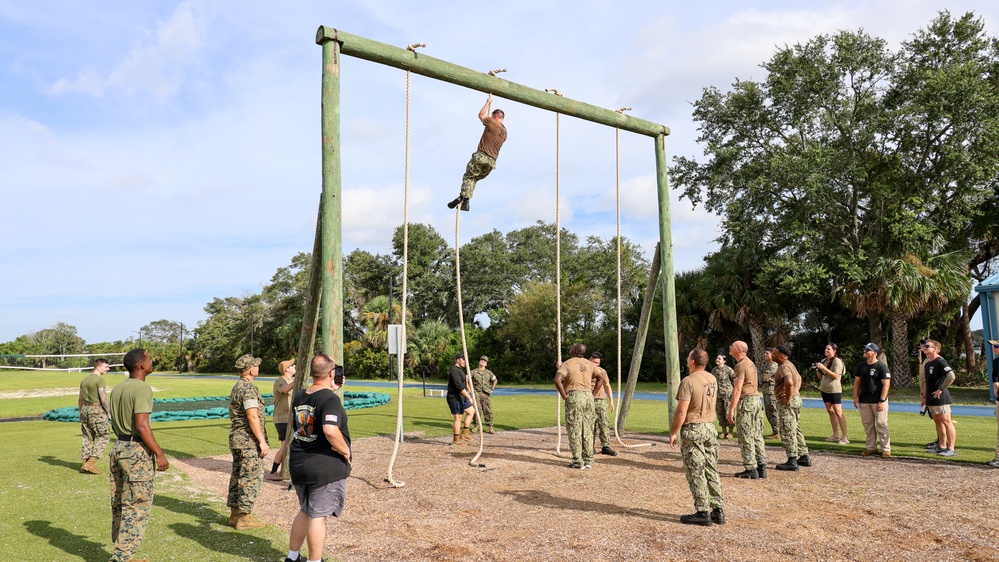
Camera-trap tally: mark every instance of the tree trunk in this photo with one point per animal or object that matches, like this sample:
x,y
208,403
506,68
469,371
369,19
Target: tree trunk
x,y
969,345
900,352
758,335
874,328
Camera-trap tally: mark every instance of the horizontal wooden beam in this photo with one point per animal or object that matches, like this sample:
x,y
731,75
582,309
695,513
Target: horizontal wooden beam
x,y
367,49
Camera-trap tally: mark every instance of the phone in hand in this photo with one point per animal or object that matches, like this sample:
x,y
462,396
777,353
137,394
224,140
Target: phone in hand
x,y
338,375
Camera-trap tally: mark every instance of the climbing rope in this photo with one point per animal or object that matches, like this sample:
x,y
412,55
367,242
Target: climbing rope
x,y
558,267
464,342
617,181
400,355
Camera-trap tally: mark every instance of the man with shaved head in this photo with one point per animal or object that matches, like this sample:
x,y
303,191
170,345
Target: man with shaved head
x,y
746,413
574,382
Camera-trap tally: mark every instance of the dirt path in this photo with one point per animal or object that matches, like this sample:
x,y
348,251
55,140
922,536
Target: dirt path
x,y
526,505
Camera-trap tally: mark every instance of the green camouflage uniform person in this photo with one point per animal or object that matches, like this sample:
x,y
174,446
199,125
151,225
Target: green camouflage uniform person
x,y
694,420
723,374
574,382
484,383
248,445
746,412
135,457
787,384
767,389
95,421
483,160
603,403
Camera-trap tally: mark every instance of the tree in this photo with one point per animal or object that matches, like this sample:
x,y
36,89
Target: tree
x,y
61,339
162,331
431,273
427,345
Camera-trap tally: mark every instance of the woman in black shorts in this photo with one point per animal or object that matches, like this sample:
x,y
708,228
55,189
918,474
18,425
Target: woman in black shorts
x,y
830,373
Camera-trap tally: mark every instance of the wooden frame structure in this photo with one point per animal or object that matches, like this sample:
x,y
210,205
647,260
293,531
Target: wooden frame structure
x,y
327,257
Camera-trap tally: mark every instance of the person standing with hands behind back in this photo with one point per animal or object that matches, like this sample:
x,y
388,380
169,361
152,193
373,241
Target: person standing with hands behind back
x,y
248,445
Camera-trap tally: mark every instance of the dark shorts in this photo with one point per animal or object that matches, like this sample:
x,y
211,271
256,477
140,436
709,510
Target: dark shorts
x,y
832,397
321,500
282,429
458,404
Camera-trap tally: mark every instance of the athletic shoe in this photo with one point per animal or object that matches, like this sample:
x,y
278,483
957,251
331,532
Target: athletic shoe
x,y
844,441
933,445
700,518
948,453
718,516
750,473
587,465
935,451
994,463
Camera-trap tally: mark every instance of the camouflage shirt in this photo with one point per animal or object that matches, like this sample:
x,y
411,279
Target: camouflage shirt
x,y
724,376
244,396
482,380
769,370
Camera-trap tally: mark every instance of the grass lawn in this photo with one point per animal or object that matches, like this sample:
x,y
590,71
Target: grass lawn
x,y
52,512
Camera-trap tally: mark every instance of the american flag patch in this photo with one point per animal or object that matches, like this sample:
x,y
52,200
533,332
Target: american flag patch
x,y
331,418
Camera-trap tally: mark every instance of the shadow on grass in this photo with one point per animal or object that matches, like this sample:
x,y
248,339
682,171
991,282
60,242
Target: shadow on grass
x,y
544,499
211,533
49,459
76,545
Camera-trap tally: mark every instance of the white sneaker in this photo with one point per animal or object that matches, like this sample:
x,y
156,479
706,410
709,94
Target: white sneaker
x,y
948,453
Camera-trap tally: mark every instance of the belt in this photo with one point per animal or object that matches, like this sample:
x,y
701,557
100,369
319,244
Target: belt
x,y
135,438
85,403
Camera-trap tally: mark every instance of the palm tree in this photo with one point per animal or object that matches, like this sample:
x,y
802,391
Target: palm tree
x,y
375,318
426,346
692,318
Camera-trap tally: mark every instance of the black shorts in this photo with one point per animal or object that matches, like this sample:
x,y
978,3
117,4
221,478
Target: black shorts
x,y
282,429
458,404
832,397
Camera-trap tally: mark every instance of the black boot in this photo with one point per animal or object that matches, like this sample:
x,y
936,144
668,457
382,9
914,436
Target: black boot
x,y
791,465
718,516
748,473
464,204
803,460
608,451
700,518
762,470
455,202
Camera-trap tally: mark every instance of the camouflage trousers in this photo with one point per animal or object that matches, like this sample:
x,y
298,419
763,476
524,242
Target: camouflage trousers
x,y
246,479
699,448
478,168
579,424
749,423
601,421
133,470
770,405
721,410
485,405
789,418
96,430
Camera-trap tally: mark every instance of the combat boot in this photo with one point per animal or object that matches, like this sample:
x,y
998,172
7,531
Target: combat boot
x,y
465,435
233,516
608,451
761,470
457,201
803,460
791,465
490,430
90,466
464,204
700,518
748,473
718,516
458,441
248,521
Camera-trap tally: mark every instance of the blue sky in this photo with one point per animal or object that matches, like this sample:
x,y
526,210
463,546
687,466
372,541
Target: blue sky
x,y
154,155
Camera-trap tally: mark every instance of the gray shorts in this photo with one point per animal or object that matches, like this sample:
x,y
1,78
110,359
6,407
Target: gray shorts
x,y
321,500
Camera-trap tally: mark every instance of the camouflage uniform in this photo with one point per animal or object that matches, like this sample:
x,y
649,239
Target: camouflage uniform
x,y
723,375
133,470
579,414
96,428
769,400
601,421
699,447
482,382
247,464
479,166
790,428
749,421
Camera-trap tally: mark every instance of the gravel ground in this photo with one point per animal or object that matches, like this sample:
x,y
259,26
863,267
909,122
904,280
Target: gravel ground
x,y
525,504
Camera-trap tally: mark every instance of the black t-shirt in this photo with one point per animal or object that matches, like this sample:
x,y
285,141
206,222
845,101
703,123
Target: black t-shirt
x,y
313,461
936,372
455,381
870,381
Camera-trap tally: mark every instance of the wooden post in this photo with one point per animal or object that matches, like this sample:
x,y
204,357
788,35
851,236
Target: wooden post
x,y
332,227
669,287
418,63
640,337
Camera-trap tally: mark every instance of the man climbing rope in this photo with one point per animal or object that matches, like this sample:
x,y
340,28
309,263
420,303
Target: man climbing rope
x,y
484,158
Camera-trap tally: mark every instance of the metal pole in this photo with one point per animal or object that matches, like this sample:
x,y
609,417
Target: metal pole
x,y
669,287
332,226
390,323
362,48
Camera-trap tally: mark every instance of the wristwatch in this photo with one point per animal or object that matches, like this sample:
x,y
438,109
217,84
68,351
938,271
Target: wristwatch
x,y
882,400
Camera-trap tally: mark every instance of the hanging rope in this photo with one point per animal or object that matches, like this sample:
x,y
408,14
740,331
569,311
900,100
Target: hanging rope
x,y
464,342
400,355
617,183
558,268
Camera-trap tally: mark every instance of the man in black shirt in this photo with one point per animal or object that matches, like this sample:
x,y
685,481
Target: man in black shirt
x,y
320,459
871,381
459,401
994,463
939,375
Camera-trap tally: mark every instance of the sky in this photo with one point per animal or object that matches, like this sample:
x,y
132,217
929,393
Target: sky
x,y
155,155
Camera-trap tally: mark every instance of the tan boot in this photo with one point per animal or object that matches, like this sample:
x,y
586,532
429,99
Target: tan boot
x,y
490,430
90,466
458,440
248,521
465,435
233,516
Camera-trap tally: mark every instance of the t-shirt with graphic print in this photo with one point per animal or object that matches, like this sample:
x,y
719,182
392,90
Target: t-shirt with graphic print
x,y
313,460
